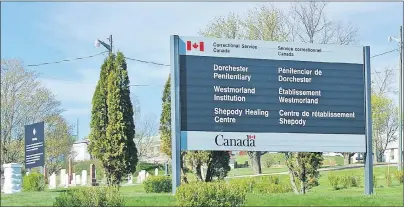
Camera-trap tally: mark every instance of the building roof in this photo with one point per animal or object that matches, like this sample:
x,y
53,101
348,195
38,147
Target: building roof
x,y
393,145
85,141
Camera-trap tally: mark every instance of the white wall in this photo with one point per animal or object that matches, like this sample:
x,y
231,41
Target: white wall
x,y
391,155
80,151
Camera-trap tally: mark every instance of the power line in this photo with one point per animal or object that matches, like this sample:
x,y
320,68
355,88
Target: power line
x,y
91,56
90,82
67,60
380,54
148,62
137,60
144,61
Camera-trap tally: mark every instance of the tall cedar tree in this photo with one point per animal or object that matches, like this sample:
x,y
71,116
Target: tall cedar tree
x,y
120,157
112,125
99,113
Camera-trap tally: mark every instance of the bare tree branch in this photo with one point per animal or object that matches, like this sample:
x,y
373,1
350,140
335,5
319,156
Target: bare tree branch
x,y
23,101
309,22
146,131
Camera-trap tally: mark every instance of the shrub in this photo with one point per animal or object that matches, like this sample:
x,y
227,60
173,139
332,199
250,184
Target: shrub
x,y
271,179
246,184
345,181
157,184
262,187
388,179
92,196
268,160
210,194
33,182
267,184
355,181
399,175
334,180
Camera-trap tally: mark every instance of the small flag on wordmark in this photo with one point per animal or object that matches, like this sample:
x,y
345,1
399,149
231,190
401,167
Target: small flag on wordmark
x,y
195,46
250,136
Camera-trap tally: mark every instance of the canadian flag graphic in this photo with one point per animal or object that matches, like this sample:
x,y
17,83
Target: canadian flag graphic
x,y
250,136
196,46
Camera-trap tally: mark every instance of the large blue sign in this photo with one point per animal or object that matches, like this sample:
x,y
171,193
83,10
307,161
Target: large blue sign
x,y
270,96
34,145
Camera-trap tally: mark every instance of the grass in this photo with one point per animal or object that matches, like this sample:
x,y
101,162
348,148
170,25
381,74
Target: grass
x,y
249,171
322,195
241,158
328,160
333,160
347,197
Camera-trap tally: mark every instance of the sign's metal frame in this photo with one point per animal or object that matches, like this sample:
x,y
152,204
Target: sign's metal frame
x,y
176,117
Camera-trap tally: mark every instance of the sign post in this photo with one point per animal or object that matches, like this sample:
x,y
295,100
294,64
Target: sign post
x,y
246,95
175,114
35,145
369,144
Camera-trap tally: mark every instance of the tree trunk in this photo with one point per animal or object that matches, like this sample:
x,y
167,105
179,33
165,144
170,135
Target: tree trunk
x,y
182,161
198,172
302,188
293,182
347,158
375,153
380,156
291,175
303,181
209,172
255,158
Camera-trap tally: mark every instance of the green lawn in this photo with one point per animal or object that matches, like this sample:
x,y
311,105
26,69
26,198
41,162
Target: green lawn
x,y
328,160
322,195
249,171
335,160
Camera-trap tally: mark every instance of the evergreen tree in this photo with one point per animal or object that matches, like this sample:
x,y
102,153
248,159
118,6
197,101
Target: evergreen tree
x,y
99,113
128,113
165,119
112,124
303,170
120,156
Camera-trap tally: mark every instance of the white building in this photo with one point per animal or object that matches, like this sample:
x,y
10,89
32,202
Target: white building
x,y
333,154
80,151
391,154
151,154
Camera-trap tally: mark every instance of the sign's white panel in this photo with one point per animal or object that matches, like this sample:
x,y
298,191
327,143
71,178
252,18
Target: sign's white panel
x,y
254,49
273,142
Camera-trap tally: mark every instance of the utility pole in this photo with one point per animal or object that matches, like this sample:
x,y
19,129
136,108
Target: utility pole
x,y
108,46
401,102
401,96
